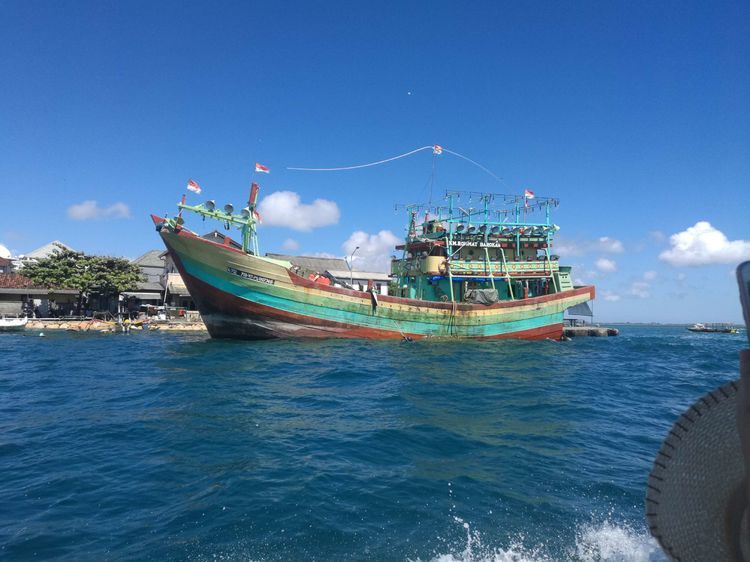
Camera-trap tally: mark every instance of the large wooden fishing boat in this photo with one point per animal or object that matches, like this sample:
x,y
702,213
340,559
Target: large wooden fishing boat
x,y
485,272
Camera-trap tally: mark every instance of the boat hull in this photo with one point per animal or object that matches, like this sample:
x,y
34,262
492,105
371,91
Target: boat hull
x,y
247,297
13,324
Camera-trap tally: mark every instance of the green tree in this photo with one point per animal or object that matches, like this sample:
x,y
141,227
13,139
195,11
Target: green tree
x,y
67,269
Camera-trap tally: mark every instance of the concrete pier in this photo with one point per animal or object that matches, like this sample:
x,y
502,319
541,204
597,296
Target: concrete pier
x,y
594,331
42,324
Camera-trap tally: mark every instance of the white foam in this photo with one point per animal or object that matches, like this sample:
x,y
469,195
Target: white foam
x,y
601,542
607,541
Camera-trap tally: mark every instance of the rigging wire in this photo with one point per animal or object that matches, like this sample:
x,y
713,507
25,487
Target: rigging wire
x,y
477,164
404,155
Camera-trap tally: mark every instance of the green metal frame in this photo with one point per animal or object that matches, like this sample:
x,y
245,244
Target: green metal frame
x,y
247,225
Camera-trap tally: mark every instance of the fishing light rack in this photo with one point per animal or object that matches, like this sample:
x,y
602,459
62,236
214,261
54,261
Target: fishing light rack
x,y
245,220
494,209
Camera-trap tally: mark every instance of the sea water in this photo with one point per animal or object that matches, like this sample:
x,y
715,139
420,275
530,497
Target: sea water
x,y
167,446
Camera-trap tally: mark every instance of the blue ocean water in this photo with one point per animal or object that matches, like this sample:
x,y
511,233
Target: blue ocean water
x,y
165,446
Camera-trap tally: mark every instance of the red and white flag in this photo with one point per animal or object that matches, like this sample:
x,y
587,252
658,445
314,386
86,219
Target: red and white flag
x,y
256,214
437,149
528,194
193,186
260,168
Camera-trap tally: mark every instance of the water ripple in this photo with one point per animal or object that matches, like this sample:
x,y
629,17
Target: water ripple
x,y
177,446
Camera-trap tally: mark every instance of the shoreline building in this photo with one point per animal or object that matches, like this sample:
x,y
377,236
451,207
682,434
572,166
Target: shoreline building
x,y
6,265
19,296
149,294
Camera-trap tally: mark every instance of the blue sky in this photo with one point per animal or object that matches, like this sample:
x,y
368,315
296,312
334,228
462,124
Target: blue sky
x,y
634,114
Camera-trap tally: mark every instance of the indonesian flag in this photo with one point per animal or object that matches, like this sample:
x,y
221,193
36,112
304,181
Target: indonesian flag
x,y
256,214
528,194
437,149
260,168
194,187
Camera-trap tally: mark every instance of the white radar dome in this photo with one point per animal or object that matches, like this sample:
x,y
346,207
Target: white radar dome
x,y
4,252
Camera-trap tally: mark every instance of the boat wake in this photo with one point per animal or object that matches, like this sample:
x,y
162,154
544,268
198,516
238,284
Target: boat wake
x,y
594,542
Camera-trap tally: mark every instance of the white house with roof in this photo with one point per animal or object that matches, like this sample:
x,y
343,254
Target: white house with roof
x,y
40,253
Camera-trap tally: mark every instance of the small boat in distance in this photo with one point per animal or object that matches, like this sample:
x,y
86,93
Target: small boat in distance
x,y
714,327
12,324
465,271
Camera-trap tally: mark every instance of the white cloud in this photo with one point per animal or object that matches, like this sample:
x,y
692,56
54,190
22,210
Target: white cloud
x,y
610,245
290,244
640,289
567,248
604,244
90,210
4,252
285,208
702,244
657,236
374,249
612,297
606,266
583,275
